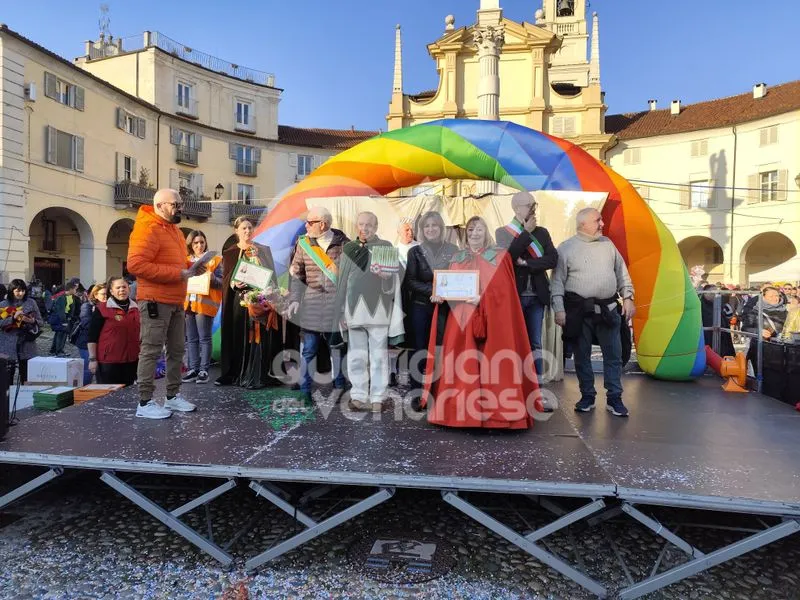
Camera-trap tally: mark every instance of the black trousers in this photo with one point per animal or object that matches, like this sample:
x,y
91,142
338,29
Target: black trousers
x,y
124,373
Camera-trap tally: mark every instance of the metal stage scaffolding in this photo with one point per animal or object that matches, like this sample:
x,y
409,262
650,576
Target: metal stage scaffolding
x,y
685,445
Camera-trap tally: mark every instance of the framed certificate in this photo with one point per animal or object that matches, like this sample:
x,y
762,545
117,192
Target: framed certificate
x,y
255,276
199,284
456,285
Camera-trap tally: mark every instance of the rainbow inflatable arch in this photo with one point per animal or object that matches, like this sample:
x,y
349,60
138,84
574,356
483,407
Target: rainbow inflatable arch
x,y
667,325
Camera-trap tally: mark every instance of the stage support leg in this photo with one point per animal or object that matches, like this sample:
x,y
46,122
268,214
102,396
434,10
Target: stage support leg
x,y
167,518
662,531
33,484
314,529
712,559
526,542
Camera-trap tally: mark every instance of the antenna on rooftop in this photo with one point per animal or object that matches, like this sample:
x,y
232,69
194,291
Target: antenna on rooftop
x,y
104,21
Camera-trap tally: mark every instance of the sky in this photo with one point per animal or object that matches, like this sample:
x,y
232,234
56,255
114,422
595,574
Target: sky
x,y
335,60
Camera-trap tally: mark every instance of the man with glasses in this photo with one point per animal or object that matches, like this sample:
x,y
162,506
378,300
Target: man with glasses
x,y
157,257
533,254
314,270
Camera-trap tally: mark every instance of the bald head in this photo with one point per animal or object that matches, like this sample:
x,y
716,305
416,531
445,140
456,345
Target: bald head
x,y
167,204
524,205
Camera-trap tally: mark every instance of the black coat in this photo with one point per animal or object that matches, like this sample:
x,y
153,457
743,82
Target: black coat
x,y
423,260
535,269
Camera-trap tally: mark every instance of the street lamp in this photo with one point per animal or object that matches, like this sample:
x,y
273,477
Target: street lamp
x,y
218,191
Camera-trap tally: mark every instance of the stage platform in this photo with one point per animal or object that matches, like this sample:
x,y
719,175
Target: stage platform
x,y
684,445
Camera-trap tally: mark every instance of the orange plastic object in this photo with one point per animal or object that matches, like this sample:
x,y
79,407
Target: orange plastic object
x,y
713,360
735,369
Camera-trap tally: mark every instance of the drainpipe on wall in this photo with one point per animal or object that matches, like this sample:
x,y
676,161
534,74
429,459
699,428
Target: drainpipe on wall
x,y
733,198
158,150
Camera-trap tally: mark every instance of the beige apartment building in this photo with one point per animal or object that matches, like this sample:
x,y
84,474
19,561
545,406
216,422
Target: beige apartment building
x,y
84,144
723,175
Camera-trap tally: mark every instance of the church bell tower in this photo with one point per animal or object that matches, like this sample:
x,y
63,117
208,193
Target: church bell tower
x,y
567,18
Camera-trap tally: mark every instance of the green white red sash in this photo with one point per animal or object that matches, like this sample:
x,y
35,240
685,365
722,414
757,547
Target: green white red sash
x,y
535,248
320,258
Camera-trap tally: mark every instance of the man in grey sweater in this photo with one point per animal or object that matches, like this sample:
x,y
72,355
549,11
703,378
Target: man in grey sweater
x,y
589,274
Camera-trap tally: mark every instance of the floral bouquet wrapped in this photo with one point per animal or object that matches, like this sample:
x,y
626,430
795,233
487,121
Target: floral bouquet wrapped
x,y
264,305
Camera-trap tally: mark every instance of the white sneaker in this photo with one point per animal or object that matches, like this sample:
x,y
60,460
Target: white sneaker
x,y
153,410
179,403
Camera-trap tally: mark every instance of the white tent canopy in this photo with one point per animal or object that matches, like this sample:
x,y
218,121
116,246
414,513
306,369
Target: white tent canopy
x,y
788,271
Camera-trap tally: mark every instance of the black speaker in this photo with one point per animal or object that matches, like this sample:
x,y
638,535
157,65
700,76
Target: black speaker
x,y
5,385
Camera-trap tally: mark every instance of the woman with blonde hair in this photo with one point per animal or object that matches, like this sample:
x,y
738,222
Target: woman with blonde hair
x,y
492,381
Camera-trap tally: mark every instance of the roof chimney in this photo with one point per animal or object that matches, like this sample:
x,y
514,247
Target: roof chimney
x,y
653,104
759,90
675,107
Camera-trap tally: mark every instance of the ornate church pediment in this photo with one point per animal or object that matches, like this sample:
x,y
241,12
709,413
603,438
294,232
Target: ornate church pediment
x,y
517,36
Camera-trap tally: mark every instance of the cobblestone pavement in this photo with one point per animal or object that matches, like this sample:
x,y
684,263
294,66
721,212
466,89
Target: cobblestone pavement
x,y
77,538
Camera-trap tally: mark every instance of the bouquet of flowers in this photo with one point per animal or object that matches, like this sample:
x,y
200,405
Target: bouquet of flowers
x,y
11,312
260,302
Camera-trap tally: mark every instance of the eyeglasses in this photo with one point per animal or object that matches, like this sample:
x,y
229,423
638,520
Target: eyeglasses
x,y
175,204
313,222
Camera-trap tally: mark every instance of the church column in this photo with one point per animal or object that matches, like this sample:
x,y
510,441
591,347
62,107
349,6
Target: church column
x,y
93,264
488,38
489,41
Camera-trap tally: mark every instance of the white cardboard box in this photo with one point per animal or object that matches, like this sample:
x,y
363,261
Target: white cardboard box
x,y
55,371
25,397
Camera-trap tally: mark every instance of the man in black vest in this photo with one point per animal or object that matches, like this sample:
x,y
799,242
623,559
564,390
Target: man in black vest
x,y
533,254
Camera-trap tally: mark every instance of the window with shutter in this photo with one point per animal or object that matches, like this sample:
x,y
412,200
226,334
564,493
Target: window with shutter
x,y
292,159
78,154
79,98
51,136
232,150
783,184
175,136
686,197
120,118
569,126
50,85
558,125
768,184
753,189
141,125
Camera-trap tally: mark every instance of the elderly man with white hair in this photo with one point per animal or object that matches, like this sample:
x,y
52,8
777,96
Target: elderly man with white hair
x,y
314,274
368,302
157,257
587,282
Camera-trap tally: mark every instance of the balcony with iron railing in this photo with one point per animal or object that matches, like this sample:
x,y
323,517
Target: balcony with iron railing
x,y
186,155
246,126
153,39
245,207
186,107
129,194
195,205
248,168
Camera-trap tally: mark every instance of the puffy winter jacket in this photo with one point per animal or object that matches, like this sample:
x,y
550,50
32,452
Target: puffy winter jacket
x,y
157,255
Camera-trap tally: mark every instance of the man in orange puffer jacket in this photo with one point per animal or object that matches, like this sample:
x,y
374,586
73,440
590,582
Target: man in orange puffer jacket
x,y
157,256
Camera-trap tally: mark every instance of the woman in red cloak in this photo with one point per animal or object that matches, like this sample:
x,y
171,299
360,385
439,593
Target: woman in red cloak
x,y
483,375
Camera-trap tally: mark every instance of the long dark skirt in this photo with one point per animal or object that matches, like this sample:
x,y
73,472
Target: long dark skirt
x,y
251,364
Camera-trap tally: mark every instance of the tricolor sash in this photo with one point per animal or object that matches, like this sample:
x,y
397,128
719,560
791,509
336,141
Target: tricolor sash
x,y
535,248
320,257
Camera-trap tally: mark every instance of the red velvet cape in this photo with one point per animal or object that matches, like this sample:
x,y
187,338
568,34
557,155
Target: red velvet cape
x,y
501,389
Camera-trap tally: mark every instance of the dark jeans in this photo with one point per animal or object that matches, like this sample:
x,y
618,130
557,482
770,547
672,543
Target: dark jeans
x,y
22,365
608,336
533,311
59,341
87,374
309,346
421,319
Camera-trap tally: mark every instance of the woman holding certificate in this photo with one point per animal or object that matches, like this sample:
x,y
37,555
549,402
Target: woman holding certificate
x,y
250,332
203,297
483,376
